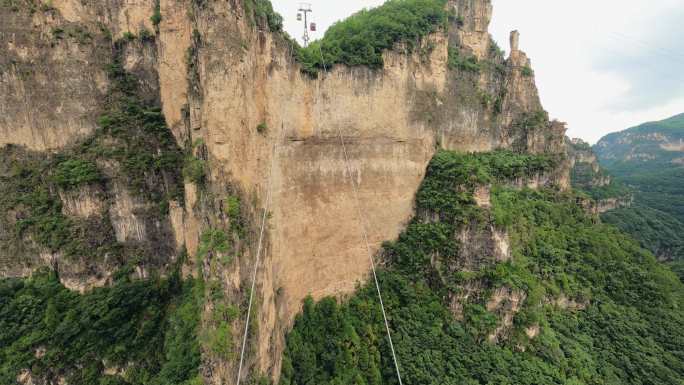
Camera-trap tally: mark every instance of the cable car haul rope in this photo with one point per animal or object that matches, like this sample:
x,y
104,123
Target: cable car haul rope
x,y
364,233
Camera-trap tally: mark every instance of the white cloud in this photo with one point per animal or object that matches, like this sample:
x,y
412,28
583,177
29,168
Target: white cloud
x,y
601,66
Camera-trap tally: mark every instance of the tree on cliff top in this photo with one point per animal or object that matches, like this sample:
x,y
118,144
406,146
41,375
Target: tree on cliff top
x,y
361,38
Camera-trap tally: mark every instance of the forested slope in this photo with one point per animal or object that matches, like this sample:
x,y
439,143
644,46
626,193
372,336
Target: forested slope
x,y
596,308
649,159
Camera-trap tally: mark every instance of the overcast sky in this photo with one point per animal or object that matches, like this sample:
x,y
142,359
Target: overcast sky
x,y
601,65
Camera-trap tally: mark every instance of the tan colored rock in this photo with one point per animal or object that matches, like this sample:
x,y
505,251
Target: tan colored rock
x,y
125,217
84,284
353,139
532,331
506,303
673,146
83,202
177,217
483,197
515,41
174,41
25,377
565,303
476,16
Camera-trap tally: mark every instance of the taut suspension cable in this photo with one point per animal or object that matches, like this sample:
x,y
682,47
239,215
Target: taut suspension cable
x,y
364,232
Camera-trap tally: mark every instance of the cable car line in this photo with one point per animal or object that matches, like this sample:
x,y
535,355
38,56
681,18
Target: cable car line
x,y
258,258
364,232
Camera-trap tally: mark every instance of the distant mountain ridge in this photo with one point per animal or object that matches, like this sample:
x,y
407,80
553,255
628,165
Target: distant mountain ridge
x,y
647,146
649,159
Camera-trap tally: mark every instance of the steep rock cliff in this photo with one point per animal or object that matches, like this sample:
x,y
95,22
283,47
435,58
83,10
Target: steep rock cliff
x,y
251,124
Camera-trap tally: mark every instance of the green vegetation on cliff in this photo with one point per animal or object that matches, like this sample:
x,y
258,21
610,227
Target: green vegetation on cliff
x,y
133,331
147,329
33,209
627,326
262,11
361,38
132,148
134,134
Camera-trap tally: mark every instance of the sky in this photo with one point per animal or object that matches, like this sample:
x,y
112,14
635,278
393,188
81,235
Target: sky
x,y
601,65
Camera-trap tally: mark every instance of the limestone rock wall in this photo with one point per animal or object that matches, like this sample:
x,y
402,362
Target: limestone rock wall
x,y
53,57
228,83
584,161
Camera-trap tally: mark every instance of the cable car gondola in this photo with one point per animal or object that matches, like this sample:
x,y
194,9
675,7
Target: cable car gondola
x,y
313,27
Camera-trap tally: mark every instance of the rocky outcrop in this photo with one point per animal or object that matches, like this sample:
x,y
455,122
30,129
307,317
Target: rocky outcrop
x,y
84,202
506,303
588,176
587,172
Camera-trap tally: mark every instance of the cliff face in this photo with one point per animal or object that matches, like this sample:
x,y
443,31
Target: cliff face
x,y
53,57
234,97
391,121
588,176
587,172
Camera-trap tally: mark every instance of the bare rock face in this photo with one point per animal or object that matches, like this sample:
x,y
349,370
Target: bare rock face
x,y
391,122
52,79
52,66
351,140
475,16
84,202
506,303
481,246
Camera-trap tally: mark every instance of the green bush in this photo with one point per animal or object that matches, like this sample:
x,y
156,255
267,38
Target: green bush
x,y
219,341
527,72
213,241
232,207
73,173
262,128
262,10
195,170
463,63
156,16
678,268
146,35
57,32
361,38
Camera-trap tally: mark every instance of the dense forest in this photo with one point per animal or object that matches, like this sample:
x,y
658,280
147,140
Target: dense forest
x,y
147,328
626,326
